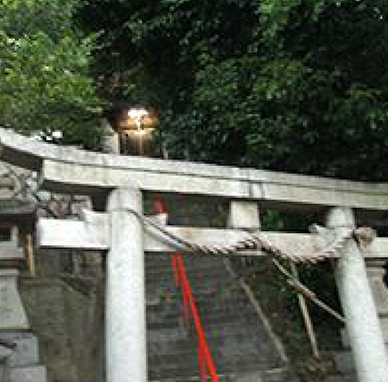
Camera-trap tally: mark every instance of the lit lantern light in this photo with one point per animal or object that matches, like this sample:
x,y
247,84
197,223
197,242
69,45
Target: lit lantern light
x,y
135,127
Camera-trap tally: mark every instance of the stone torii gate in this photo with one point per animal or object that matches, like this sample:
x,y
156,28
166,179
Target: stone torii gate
x,y
120,183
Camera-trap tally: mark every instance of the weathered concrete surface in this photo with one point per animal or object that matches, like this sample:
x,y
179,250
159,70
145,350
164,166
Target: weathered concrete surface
x,y
28,374
126,354
70,170
94,235
244,215
26,352
12,314
67,317
23,364
375,269
365,335
86,236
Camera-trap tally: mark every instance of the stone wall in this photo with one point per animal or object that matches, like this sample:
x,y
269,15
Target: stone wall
x,y
66,315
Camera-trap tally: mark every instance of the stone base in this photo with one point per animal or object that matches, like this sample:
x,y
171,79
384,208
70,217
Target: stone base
x,y
344,361
12,314
26,351
22,364
28,374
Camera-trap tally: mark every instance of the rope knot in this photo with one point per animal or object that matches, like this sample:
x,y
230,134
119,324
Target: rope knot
x,y
364,236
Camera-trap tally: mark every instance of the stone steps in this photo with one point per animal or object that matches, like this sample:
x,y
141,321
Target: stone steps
x,y
183,372
240,345
197,278
185,365
224,295
153,260
223,347
208,317
272,375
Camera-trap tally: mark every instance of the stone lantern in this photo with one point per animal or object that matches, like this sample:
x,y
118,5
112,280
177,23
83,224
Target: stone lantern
x,y
19,355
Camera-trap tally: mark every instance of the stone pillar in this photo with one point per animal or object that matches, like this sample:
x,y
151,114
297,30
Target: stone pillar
x,y
362,324
111,141
375,271
126,353
243,215
13,317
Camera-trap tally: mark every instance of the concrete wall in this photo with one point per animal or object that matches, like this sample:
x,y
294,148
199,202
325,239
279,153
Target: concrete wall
x,y
66,315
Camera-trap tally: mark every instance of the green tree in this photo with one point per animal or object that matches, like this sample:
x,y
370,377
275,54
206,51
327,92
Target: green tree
x,y
45,84
291,85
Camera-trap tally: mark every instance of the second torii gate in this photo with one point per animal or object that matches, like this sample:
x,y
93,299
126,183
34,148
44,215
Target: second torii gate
x,y
123,180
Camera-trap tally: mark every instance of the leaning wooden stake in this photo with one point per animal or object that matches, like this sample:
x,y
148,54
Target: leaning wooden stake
x,y
306,316
306,292
30,255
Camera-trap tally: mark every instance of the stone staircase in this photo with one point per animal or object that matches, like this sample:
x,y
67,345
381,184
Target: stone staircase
x,y
242,346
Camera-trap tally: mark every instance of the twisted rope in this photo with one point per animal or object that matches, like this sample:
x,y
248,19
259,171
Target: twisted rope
x,y
257,241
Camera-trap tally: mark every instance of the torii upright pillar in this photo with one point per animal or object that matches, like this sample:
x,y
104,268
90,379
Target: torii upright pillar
x,y
126,356
362,323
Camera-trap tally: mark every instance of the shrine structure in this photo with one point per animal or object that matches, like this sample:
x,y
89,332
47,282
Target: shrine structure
x,y
118,185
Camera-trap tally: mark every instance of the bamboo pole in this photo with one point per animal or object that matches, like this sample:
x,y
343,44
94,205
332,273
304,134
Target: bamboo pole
x,y
30,255
306,292
306,316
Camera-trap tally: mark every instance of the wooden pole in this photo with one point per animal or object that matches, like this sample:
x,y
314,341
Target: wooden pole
x,y
30,255
306,316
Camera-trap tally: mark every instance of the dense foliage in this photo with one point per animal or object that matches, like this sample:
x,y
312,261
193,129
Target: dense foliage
x,y
45,85
293,85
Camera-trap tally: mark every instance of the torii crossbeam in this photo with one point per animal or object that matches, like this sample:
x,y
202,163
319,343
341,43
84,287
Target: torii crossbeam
x,y
123,180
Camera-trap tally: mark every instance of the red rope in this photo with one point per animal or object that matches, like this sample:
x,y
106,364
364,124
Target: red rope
x,y
202,365
205,359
